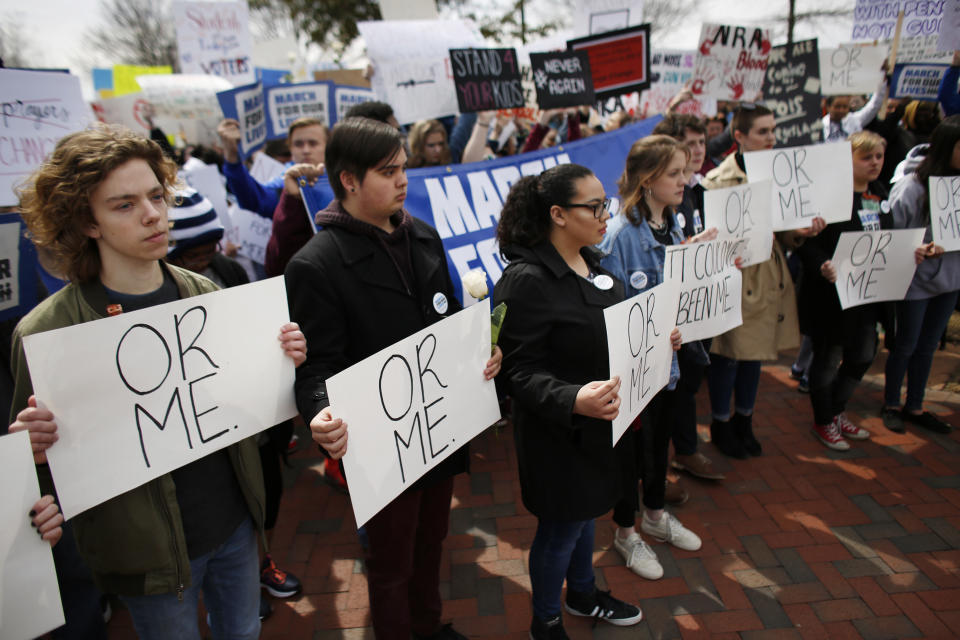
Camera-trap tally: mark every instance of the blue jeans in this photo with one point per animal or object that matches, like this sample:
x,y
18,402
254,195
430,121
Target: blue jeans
x,y
920,324
560,549
230,578
726,377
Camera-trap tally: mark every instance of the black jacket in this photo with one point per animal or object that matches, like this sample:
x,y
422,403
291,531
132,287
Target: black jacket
x,y
555,341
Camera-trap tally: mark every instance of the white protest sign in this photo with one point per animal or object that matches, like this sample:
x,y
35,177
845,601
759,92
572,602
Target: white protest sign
x,y
126,110
709,286
208,182
37,108
29,592
408,9
188,102
671,71
638,345
851,69
265,168
809,181
949,36
213,38
944,211
411,60
731,62
877,19
9,265
873,266
143,393
286,103
742,214
600,16
412,405
920,49
251,233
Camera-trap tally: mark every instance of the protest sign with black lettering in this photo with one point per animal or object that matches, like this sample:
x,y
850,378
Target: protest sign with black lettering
x,y
288,102
945,211
619,60
948,39
18,268
791,90
345,97
486,79
670,72
638,345
814,180
29,592
851,68
917,81
562,79
247,106
709,285
873,266
143,393
877,19
37,108
742,214
731,62
412,405
251,233
213,38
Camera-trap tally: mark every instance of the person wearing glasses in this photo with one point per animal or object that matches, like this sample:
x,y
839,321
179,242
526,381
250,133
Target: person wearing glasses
x,y
651,187
557,372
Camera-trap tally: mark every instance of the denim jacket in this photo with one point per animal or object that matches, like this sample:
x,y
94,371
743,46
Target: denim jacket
x,y
632,254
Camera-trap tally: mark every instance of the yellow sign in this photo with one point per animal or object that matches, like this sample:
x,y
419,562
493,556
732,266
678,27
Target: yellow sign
x,y
125,77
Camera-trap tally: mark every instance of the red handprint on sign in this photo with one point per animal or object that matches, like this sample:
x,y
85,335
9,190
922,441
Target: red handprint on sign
x,y
705,48
735,84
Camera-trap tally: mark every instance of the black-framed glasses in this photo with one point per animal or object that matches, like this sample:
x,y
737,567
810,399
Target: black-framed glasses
x,y
598,209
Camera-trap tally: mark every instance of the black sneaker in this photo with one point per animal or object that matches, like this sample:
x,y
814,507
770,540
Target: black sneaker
x,y
446,632
551,629
928,421
277,582
266,609
600,605
893,419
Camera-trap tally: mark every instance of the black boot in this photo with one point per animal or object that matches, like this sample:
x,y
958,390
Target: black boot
x,y
743,429
726,440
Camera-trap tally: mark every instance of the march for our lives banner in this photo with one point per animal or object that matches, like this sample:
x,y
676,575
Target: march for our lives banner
x,y
463,202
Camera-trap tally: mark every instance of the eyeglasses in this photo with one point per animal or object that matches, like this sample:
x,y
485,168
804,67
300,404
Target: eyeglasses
x,y
598,209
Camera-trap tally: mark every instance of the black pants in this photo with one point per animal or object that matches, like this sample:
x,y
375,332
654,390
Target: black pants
x,y
838,366
692,372
80,596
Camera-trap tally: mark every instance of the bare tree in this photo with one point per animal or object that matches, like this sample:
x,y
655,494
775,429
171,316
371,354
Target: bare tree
x,y
666,15
136,32
15,50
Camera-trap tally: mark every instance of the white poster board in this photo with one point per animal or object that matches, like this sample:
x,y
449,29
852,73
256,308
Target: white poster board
x,y
671,70
412,405
873,266
126,110
808,181
188,102
411,60
29,592
213,38
143,393
638,345
9,266
877,19
600,16
949,37
742,214
251,233
851,69
945,211
408,9
731,62
209,183
38,108
709,286
265,168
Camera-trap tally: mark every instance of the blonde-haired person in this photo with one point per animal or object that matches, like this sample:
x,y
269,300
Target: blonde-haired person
x,y
99,205
428,145
844,341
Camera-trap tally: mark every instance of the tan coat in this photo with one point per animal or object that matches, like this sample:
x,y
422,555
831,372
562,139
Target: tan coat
x,y
769,304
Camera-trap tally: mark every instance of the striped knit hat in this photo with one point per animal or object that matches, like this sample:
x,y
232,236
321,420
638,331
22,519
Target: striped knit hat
x,y
193,221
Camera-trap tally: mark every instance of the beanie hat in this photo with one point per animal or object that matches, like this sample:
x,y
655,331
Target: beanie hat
x,y
193,222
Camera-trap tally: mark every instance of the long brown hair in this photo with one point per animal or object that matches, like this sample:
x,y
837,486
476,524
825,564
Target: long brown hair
x,y
419,133
647,160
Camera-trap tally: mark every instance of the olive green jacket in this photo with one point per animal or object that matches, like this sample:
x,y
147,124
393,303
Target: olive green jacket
x,y
134,544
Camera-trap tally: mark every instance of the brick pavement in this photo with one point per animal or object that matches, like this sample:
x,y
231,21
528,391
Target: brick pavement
x,y
802,542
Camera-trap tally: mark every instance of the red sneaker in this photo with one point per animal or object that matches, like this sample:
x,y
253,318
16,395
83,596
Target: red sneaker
x,y
334,477
829,434
849,430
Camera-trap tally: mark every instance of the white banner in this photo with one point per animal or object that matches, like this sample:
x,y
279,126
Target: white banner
x,y
877,19
29,592
213,38
251,233
944,211
742,214
851,69
143,393
412,405
809,181
731,62
709,286
638,345
9,265
873,266
38,108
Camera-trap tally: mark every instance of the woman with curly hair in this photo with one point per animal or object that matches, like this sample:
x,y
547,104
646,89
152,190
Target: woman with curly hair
x,y
428,145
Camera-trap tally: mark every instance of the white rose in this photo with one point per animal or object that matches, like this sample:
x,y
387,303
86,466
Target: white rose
x,y
475,283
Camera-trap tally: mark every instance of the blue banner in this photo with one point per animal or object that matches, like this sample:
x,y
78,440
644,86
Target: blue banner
x,y
463,202
18,268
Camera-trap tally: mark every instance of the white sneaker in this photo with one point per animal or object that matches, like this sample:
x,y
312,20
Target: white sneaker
x,y
849,430
669,529
638,555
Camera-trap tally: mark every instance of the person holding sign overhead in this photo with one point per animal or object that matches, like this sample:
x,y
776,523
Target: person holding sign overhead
x,y
372,276
557,372
932,296
99,204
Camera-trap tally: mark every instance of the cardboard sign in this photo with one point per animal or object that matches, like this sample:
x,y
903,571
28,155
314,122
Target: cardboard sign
x,y
742,214
731,62
619,60
288,102
412,405
671,70
18,268
251,233
709,286
792,91
345,97
213,38
851,69
562,79
917,81
37,108
247,106
948,40
877,19
873,266
638,345
143,393
31,604
809,181
945,211
486,79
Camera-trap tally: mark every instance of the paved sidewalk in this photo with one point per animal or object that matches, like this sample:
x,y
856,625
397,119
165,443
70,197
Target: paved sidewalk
x,y
802,542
